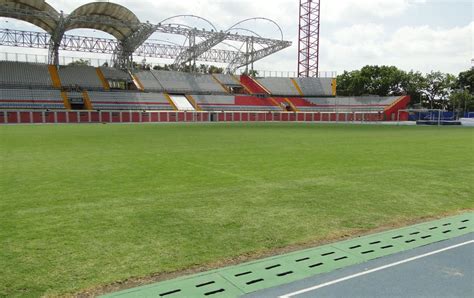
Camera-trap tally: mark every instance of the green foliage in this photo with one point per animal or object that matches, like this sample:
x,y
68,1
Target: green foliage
x,y
466,81
462,101
438,89
433,90
88,205
80,62
373,80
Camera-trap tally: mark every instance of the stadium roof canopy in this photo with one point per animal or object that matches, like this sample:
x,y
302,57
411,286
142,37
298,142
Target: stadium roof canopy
x,y
36,12
112,18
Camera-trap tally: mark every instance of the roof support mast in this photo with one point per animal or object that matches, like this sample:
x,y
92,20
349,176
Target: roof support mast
x,y
308,38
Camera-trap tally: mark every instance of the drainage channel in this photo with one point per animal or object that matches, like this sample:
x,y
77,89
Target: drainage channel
x,y
274,271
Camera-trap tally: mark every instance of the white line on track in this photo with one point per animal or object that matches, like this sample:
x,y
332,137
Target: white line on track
x,y
374,270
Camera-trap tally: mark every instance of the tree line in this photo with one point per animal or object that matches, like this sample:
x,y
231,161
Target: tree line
x,y
434,90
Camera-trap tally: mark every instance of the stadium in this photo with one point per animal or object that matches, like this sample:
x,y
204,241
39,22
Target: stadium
x,y
124,179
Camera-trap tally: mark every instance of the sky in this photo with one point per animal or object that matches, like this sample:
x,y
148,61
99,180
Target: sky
x,y
420,35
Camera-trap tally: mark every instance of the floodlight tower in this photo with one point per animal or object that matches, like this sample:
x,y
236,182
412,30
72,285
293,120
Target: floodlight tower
x,y
308,38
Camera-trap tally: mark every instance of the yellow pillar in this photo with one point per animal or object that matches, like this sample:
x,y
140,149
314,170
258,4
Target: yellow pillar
x,y
193,102
87,100
67,105
167,96
102,78
53,72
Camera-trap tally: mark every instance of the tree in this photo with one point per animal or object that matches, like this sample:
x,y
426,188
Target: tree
x,y
373,80
413,83
80,62
462,101
214,69
466,81
438,89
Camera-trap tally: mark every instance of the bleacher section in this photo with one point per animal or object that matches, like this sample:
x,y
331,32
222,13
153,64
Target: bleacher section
x,y
279,86
148,80
349,104
80,76
228,80
180,82
25,86
111,73
234,103
20,74
129,101
31,99
315,86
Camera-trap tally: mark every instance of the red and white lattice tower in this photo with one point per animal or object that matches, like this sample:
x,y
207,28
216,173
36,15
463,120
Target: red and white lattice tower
x,y
308,38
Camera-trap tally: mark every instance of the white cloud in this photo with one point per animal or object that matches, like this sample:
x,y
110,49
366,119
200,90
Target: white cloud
x,y
348,10
354,32
420,48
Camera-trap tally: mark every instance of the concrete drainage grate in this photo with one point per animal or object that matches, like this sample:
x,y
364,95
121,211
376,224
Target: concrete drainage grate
x,y
246,278
204,285
291,267
450,227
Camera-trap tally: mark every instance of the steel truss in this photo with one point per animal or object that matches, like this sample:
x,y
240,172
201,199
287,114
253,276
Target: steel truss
x,y
124,50
308,38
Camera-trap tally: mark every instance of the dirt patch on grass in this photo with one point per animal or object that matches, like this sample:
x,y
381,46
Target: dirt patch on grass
x,y
252,256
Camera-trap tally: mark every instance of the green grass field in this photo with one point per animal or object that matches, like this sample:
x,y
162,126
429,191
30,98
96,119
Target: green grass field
x,y
85,206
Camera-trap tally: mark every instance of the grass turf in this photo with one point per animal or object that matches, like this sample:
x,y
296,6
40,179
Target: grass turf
x,y
83,206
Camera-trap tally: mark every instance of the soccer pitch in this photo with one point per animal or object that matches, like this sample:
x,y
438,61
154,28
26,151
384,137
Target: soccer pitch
x,y
87,205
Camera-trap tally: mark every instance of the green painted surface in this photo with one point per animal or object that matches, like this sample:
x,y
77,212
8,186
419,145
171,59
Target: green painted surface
x,y
202,285
274,271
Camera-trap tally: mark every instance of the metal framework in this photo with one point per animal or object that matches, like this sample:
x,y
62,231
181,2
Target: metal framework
x,y
131,37
39,40
308,38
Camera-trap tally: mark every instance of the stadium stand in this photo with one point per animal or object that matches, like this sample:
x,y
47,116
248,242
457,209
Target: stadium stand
x,y
279,86
252,86
315,86
228,80
80,76
22,74
180,82
83,89
234,103
111,73
349,104
129,101
31,99
148,81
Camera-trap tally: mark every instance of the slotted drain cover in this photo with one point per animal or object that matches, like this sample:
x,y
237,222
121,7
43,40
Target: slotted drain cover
x,y
295,266
412,237
205,285
246,278
450,227
370,247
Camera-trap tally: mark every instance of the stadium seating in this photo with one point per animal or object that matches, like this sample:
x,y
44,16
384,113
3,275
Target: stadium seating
x,y
315,86
20,74
234,103
111,73
180,82
148,80
350,104
279,86
80,76
228,80
129,101
29,86
30,99
252,86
